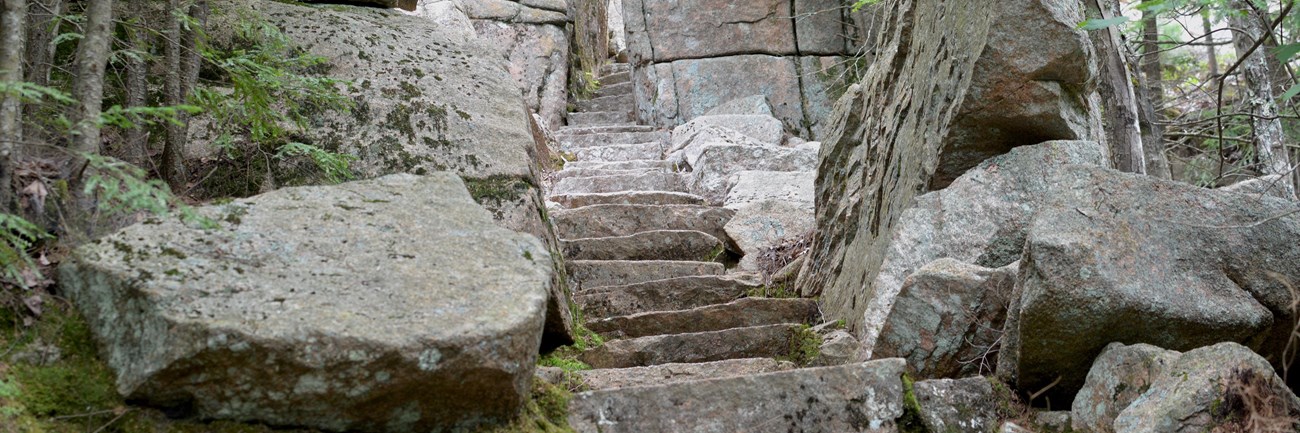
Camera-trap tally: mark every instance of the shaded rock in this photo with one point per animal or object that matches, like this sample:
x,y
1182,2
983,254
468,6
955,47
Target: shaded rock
x,y
838,348
769,341
204,318
665,374
751,105
621,220
764,225
1055,422
1119,376
601,273
740,313
956,406
664,295
864,397
751,187
947,320
969,63
655,245
1099,264
711,173
1208,388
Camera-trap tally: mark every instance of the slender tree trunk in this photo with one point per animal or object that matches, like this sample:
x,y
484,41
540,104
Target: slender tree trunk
x,y
137,88
1121,117
1150,97
42,26
12,21
92,58
1268,138
193,60
1211,52
173,162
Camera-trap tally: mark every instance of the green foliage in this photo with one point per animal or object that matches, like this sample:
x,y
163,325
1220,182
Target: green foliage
x,y
859,4
546,412
17,235
122,188
910,422
334,166
805,346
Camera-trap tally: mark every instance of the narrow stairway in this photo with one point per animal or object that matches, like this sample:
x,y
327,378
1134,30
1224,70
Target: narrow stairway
x,y
642,255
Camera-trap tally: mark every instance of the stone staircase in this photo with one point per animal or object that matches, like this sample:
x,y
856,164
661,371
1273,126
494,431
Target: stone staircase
x,y
642,254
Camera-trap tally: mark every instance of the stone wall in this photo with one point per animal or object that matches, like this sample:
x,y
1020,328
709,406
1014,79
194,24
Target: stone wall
x,y
951,84
690,56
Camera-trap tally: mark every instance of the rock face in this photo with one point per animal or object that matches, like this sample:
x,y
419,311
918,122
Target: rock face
x,y
1119,376
883,148
948,319
766,224
1128,258
399,4
428,101
323,307
956,406
689,57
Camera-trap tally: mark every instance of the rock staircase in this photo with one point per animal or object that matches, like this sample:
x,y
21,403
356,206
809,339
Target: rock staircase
x,y
681,332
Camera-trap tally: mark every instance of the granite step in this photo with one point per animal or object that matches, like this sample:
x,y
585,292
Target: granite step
x,y
603,129
601,118
618,183
620,152
663,295
622,165
653,245
573,201
616,78
597,273
614,68
615,89
615,378
607,103
572,142
591,172
770,341
741,313
601,221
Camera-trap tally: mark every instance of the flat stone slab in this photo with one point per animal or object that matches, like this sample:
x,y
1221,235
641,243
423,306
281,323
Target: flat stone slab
x,y
655,245
580,141
597,118
590,172
621,220
611,378
606,103
323,307
599,273
866,397
620,152
664,295
572,201
769,341
620,183
580,130
740,313
622,165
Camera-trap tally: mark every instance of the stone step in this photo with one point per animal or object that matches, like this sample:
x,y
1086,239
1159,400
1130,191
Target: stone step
x,y
656,181
607,103
590,172
664,295
578,141
602,129
602,221
614,378
620,152
655,245
615,89
573,201
865,397
597,273
615,78
596,118
771,341
741,313
622,165
614,68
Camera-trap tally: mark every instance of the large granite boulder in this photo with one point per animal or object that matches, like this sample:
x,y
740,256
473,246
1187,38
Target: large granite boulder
x,y
1224,387
1119,376
947,321
323,307
956,406
712,172
427,99
764,225
1129,258
951,84
748,187
980,219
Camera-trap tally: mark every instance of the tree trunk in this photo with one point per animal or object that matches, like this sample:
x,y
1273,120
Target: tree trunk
x,y
193,60
1268,138
1150,97
173,162
92,58
1211,54
42,26
137,89
12,20
1117,94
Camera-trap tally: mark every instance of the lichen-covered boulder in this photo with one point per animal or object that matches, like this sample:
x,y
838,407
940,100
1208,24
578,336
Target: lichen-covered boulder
x,y
388,305
956,406
1224,387
947,320
1121,257
1119,376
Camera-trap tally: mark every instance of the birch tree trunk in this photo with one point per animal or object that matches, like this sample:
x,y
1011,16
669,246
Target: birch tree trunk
x,y
12,22
1123,134
1150,96
1268,139
92,58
